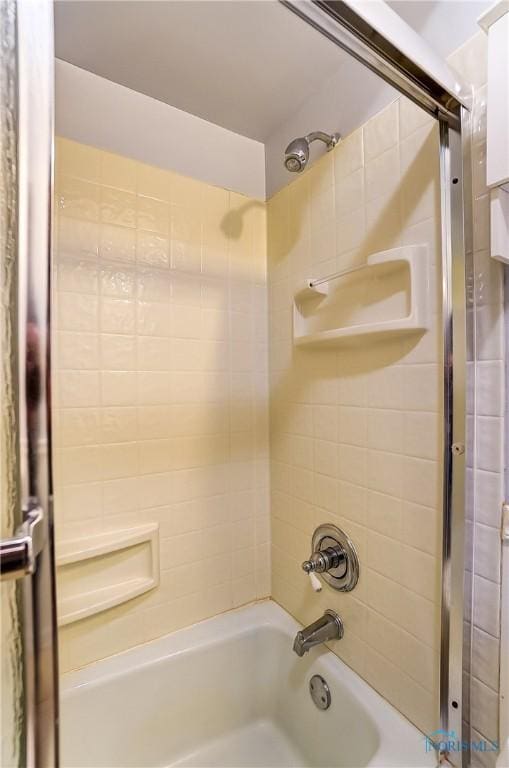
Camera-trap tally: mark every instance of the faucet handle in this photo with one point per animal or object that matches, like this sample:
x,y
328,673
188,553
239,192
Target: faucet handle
x,y
311,567
313,564
322,560
315,581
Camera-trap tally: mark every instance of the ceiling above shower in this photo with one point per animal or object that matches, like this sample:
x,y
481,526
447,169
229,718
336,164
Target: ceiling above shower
x,y
237,64
246,66
252,68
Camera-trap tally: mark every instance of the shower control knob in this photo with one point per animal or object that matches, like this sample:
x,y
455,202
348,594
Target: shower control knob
x,y
333,556
316,584
325,559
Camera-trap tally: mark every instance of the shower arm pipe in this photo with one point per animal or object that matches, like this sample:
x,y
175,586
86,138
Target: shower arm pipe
x,y
329,139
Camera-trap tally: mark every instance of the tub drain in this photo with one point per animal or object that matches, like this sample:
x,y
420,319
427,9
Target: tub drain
x,y
320,692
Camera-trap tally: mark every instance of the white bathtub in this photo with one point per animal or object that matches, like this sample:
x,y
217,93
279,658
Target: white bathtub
x,y
229,692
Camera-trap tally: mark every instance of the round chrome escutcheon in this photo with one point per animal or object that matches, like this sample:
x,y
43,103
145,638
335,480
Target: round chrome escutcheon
x,y
320,692
329,535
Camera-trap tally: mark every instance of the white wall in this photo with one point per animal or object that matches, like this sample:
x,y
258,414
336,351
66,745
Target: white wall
x,y
96,111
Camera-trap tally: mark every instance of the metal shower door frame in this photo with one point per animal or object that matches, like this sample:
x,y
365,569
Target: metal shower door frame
x,y
35,45
28,556
346,25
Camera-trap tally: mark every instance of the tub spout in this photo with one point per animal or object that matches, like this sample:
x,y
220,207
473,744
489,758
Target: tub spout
x,y
327,627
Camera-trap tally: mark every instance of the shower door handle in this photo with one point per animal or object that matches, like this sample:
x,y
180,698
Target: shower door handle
x,y
18,554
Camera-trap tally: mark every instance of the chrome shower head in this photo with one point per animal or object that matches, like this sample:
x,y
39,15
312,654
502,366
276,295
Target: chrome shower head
x,y
297,155
297,151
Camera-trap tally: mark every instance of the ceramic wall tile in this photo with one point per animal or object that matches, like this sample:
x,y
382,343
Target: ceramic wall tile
x,y
162,390
378,405
150,424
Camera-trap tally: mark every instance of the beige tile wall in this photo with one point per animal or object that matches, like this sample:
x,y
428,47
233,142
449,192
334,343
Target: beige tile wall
x,y
356,431
160,386
161,400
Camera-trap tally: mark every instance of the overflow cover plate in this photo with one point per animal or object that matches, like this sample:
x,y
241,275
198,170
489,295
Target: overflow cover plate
x,y
320,692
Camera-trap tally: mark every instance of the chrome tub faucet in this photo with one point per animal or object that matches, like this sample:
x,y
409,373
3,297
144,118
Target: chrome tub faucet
x,y
327,627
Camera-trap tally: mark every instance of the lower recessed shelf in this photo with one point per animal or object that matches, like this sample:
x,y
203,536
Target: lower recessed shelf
x,y
105,570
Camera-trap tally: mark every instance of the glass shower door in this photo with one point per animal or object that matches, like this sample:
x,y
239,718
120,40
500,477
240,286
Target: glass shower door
x,y
13,719
13,724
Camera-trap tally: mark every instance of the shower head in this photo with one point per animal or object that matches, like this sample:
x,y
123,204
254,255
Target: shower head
x,y
297,155
297,151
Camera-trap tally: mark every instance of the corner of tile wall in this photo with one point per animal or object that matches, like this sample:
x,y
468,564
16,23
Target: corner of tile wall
x,y
161,391
355,432
359,199
333,425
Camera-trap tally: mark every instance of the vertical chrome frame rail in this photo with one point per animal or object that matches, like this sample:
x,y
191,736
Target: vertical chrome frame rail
x,y
456,252
35,76
469,382
339,22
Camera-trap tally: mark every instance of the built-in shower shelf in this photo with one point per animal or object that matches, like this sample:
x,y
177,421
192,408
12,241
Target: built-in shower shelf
x,y
388,296
105,570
